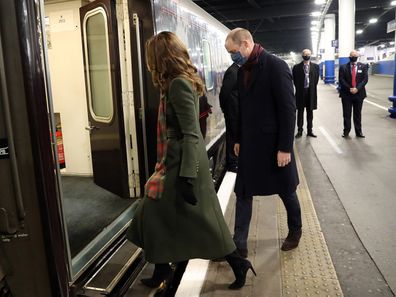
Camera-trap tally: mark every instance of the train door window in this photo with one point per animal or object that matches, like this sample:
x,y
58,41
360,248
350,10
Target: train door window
x,y
96,43
207,65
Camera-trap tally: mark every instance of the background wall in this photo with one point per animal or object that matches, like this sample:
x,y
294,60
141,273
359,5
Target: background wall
x,y
67,82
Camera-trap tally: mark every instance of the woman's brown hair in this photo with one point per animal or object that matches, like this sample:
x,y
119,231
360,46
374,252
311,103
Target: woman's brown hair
x,y
167,58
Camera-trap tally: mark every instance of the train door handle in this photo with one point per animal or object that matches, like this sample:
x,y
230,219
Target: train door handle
x,y
90,128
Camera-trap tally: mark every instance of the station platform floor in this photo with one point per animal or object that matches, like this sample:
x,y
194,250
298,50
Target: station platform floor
x,y
347,194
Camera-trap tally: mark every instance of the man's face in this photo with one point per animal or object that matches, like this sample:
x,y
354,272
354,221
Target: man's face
x,y
233,48
354,54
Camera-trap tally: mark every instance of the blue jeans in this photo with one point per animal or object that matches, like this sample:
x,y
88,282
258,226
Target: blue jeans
x,y
243,215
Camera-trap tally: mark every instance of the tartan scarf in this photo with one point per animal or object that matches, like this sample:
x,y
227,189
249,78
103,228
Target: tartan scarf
x,y
154,187
251,62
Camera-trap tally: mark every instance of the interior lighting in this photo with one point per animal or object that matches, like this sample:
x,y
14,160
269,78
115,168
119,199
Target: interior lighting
x,y
382,45
320,2
316,13
360,31
314,23
314,29
392,42
393,3
373,21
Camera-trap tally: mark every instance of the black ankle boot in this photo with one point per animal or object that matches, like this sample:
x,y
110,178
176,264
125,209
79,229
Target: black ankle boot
x,y
169,286
292,240
161,272
240,267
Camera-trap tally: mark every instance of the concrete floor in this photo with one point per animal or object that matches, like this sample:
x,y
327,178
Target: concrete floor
x,y
360,171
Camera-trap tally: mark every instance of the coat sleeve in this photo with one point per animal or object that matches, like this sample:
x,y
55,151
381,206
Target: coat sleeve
x,y
316,74
285,104
342,78
228,85
181,97
361,84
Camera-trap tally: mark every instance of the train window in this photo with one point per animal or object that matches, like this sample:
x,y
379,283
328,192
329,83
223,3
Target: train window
x,y
98,70
207,65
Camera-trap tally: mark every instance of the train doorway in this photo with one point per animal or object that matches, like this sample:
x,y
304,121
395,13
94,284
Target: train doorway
x,y
92,97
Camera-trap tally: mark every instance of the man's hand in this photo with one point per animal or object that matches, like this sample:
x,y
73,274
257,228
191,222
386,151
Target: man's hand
x,y
353,90
284,158
236,149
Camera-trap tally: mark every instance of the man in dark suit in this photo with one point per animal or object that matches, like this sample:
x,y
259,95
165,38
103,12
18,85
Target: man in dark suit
x,y
352,78
265,135
305,78
229,105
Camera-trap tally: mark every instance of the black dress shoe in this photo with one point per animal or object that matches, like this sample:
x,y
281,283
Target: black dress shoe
x,y
345,135
160,274
311,134
299,134
292,240
360,135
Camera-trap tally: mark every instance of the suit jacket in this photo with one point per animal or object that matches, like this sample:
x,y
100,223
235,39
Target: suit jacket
x,y
345,80
267,117
229,98
298,79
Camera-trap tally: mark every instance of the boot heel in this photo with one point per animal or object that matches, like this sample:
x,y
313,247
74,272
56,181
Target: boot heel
x,y
252,269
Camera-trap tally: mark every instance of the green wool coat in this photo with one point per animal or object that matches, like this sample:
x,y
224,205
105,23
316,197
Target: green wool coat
x,y
169,229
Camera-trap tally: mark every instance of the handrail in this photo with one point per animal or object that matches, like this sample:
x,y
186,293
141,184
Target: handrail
x,y
11,143
141,89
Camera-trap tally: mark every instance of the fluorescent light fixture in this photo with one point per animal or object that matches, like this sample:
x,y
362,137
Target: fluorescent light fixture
x,y
392,42
393,3
316,13
382,45
320,2
360,31
373,21
292,53
314,23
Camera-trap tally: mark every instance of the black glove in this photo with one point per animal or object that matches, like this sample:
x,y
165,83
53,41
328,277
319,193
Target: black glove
x,y
187,190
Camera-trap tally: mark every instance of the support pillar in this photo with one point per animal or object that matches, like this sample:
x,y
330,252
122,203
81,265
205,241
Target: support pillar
x,y
392,109
346,29
329,50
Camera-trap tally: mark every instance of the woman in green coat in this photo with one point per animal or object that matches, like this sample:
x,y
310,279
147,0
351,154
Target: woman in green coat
x,y
180,217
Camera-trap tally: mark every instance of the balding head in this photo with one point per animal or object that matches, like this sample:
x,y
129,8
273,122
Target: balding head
x,y
239,40
354,53
306,52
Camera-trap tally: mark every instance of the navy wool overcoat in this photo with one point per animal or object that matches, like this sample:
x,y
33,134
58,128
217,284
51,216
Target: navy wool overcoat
x,y
267,118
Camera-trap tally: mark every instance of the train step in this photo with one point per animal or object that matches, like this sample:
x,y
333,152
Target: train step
x,y
117,274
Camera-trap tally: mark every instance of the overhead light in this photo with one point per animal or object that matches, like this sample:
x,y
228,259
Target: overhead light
x,y
382,45
320,2
360,31
392,42
316,13
291,53
373,21
314,22
393,3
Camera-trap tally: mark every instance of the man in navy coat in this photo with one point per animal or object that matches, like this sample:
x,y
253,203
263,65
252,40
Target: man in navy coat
x,y
353,78
265,135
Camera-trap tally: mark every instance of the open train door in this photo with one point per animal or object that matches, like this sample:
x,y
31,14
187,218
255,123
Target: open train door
x,y
104,98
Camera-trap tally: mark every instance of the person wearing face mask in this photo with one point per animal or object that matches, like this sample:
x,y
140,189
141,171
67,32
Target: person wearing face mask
x,y
265,135
353,78
306,78
229,105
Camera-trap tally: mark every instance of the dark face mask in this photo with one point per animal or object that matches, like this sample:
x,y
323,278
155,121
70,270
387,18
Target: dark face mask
x,y
238,58
306,58
353,59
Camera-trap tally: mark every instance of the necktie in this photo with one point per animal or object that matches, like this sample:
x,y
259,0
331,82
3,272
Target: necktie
x,y
353,76
306,78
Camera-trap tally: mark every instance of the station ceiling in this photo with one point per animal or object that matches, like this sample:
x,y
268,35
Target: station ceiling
x,y
282,26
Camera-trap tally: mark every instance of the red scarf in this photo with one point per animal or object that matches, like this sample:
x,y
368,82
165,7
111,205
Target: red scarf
x,y
154,187
253,60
